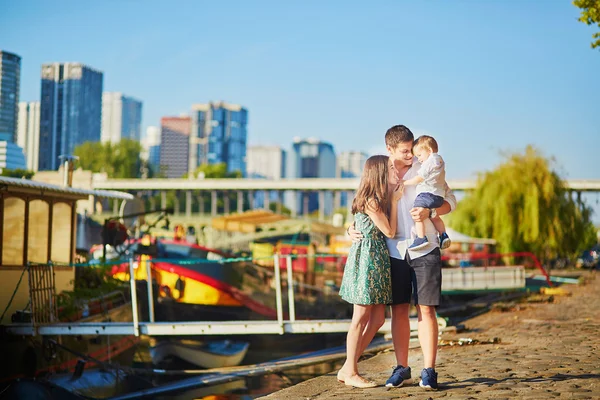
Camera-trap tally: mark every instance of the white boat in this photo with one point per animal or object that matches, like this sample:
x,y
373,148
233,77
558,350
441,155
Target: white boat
x,y
212,354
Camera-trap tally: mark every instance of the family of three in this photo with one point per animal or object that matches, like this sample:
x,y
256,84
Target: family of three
x,y
395,254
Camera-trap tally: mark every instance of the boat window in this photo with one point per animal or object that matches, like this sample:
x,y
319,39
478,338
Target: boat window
x,y
61,233
13,237
37,249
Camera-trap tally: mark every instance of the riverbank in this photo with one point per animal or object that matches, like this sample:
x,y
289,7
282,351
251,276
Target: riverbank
x,y
545,347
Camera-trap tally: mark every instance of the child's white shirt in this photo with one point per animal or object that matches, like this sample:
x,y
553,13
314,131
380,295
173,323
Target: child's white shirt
x,y
433,173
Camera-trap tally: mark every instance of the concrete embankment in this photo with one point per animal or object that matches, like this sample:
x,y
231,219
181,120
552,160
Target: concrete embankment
x,y
547,349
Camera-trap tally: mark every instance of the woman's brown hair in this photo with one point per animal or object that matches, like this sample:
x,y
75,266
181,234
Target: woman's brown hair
x,y
373,186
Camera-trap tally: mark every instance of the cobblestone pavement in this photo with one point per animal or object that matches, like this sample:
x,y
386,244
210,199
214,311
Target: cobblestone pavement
x,y
547,349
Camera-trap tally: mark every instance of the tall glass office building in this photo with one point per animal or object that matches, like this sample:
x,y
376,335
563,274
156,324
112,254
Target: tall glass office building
x,y
10,75
121,117
311,158
174,145
70,110
219,136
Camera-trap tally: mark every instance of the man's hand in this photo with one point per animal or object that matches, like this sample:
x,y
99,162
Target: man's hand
x,y
419,214
355,235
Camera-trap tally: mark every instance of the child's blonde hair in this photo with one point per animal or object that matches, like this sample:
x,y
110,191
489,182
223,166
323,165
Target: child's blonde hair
x,y
426,142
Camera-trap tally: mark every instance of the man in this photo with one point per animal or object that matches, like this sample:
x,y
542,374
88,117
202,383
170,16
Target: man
x,y
415,273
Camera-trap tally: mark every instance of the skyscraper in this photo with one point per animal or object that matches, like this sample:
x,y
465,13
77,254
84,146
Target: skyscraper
x,y
266,162
70,110
11,156
151,147
219,136
28,136
10,75
121,117
174,145
311,158
350,164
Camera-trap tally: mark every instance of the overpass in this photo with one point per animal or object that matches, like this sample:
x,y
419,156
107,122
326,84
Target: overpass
x,y
328,191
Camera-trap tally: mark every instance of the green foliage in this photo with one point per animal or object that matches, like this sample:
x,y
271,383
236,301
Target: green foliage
x,y
525,206
17,173
118,160
214,171
590,15
284,209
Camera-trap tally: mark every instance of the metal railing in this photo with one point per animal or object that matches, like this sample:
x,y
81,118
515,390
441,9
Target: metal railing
x,y
136,327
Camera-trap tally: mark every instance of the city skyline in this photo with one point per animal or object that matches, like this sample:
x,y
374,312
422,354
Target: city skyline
x,y
444,69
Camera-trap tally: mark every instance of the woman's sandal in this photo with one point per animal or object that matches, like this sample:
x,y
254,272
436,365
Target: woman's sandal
x,y
341,377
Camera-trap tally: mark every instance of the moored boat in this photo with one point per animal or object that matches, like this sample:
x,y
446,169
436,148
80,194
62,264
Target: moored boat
x,y
209,354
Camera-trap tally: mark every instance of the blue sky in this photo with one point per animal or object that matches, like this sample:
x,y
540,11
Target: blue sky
x,y
482,77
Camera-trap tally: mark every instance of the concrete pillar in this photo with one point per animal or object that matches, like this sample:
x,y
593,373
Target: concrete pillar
x,y
305,199
278,206
115,207
251,199
188,203
176,205
152,203
240,201
163,199
201,204
337,200
321,205
267,202
226,203
294,210
350,197
579,197
213,202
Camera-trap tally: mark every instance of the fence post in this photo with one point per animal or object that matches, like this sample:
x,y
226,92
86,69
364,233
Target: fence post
x,y
136,323
290,280
278,300
150,290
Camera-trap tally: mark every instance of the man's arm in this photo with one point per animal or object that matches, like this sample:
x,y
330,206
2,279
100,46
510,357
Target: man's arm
x,y
420,214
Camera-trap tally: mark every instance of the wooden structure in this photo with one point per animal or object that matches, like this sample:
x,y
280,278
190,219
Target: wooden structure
x,y
38,228
246,222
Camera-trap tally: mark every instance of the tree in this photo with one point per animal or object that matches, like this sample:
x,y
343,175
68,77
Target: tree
x,y
590,15
17,173
118,160
525,206
214,171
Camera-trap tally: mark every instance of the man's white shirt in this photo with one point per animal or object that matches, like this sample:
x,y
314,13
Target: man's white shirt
x,y
398,245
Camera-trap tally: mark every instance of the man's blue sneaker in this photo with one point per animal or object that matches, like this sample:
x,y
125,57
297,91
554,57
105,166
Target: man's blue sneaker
x,y
400,376
429,379
419,243
445,241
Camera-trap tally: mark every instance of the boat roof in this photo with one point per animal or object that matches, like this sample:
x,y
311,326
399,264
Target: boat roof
x,y
462,238
49,189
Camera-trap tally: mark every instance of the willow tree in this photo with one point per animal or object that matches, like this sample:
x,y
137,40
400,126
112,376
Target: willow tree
x,y
590,15
525,206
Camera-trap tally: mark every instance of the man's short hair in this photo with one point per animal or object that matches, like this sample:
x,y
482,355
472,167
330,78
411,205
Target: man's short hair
x,y
398,134
427,142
